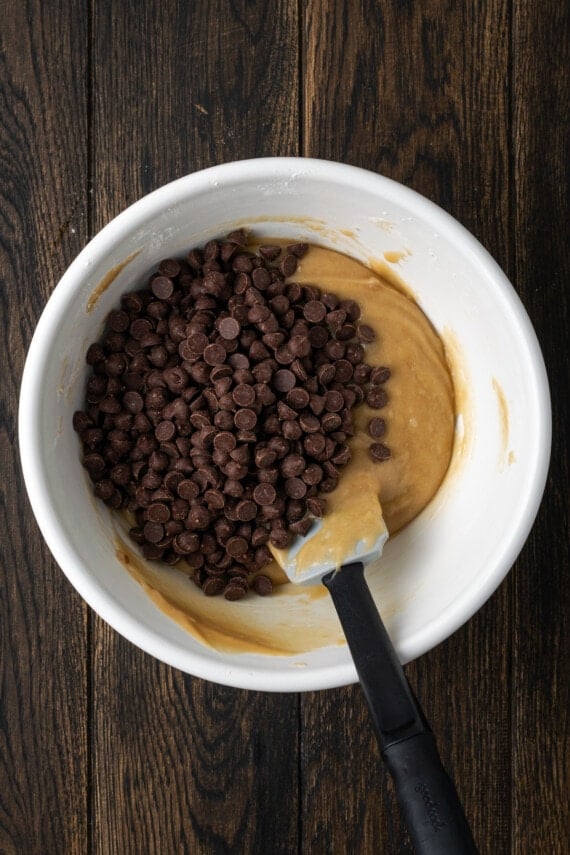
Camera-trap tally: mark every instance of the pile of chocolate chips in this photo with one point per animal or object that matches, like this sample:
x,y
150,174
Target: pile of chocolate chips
x,y
219,407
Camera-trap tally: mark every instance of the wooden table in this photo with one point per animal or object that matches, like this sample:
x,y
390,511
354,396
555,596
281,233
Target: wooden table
x,y
103,749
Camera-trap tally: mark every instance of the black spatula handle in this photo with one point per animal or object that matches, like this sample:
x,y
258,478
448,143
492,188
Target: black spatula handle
x,y
426,794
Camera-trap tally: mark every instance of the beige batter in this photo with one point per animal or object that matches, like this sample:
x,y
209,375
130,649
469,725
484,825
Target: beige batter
x,y
420,418
419,415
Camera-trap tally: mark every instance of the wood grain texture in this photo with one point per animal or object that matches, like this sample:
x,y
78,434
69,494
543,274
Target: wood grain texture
x,y
43,663
415,91
419,92
181,765
345,801
180,86
541,155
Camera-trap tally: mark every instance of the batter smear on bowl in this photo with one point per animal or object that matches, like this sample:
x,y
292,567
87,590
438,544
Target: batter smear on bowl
x,y
251,389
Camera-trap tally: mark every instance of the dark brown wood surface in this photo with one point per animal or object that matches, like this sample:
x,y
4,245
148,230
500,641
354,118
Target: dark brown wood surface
x,y
105,750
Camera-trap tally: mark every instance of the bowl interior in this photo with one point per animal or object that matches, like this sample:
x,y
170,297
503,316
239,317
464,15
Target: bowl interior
x,y
437,572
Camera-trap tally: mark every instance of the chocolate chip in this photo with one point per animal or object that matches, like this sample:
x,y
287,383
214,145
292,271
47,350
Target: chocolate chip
x,y
314,311
238,360
213,586
104,489
264,494
365,333
229,328
238,237
270,251
284,356
214,354
258,313
312,475
288,265
261,278
233,488
225,441
215,499
279,304
351,308
379,451
316,507
379,375
298,249
133,402
334,401
292,465
341,456
234,591
224,420
245,419
377,428
354,353
376,398
243,395
309,423
140,328
158,512
279,445
242,263
151,551
291,429
165,431
264,458
300,345
118,321
188,490
153,532
295,488
318,337
314,444
162,287
81,421
115,365
197,342
301,527
262,585
198,518
328,485
346,332
331,422
172,479
236,546
169,267
297,398
280,538
284,380
246,510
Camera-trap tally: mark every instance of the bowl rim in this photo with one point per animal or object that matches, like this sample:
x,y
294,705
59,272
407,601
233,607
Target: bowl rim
x,y
29,422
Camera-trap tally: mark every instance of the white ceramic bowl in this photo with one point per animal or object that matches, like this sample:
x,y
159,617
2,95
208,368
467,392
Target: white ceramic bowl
x,y
437,572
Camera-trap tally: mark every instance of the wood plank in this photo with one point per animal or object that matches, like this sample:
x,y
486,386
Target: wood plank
x,y
346,806
182,86
182,765
418,92
43,223
541,724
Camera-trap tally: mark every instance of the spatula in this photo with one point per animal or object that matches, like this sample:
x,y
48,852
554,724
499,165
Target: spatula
x,y
426,794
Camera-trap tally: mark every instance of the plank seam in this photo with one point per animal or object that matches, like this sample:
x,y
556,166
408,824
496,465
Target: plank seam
x,y
511,272
90,617
301,67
